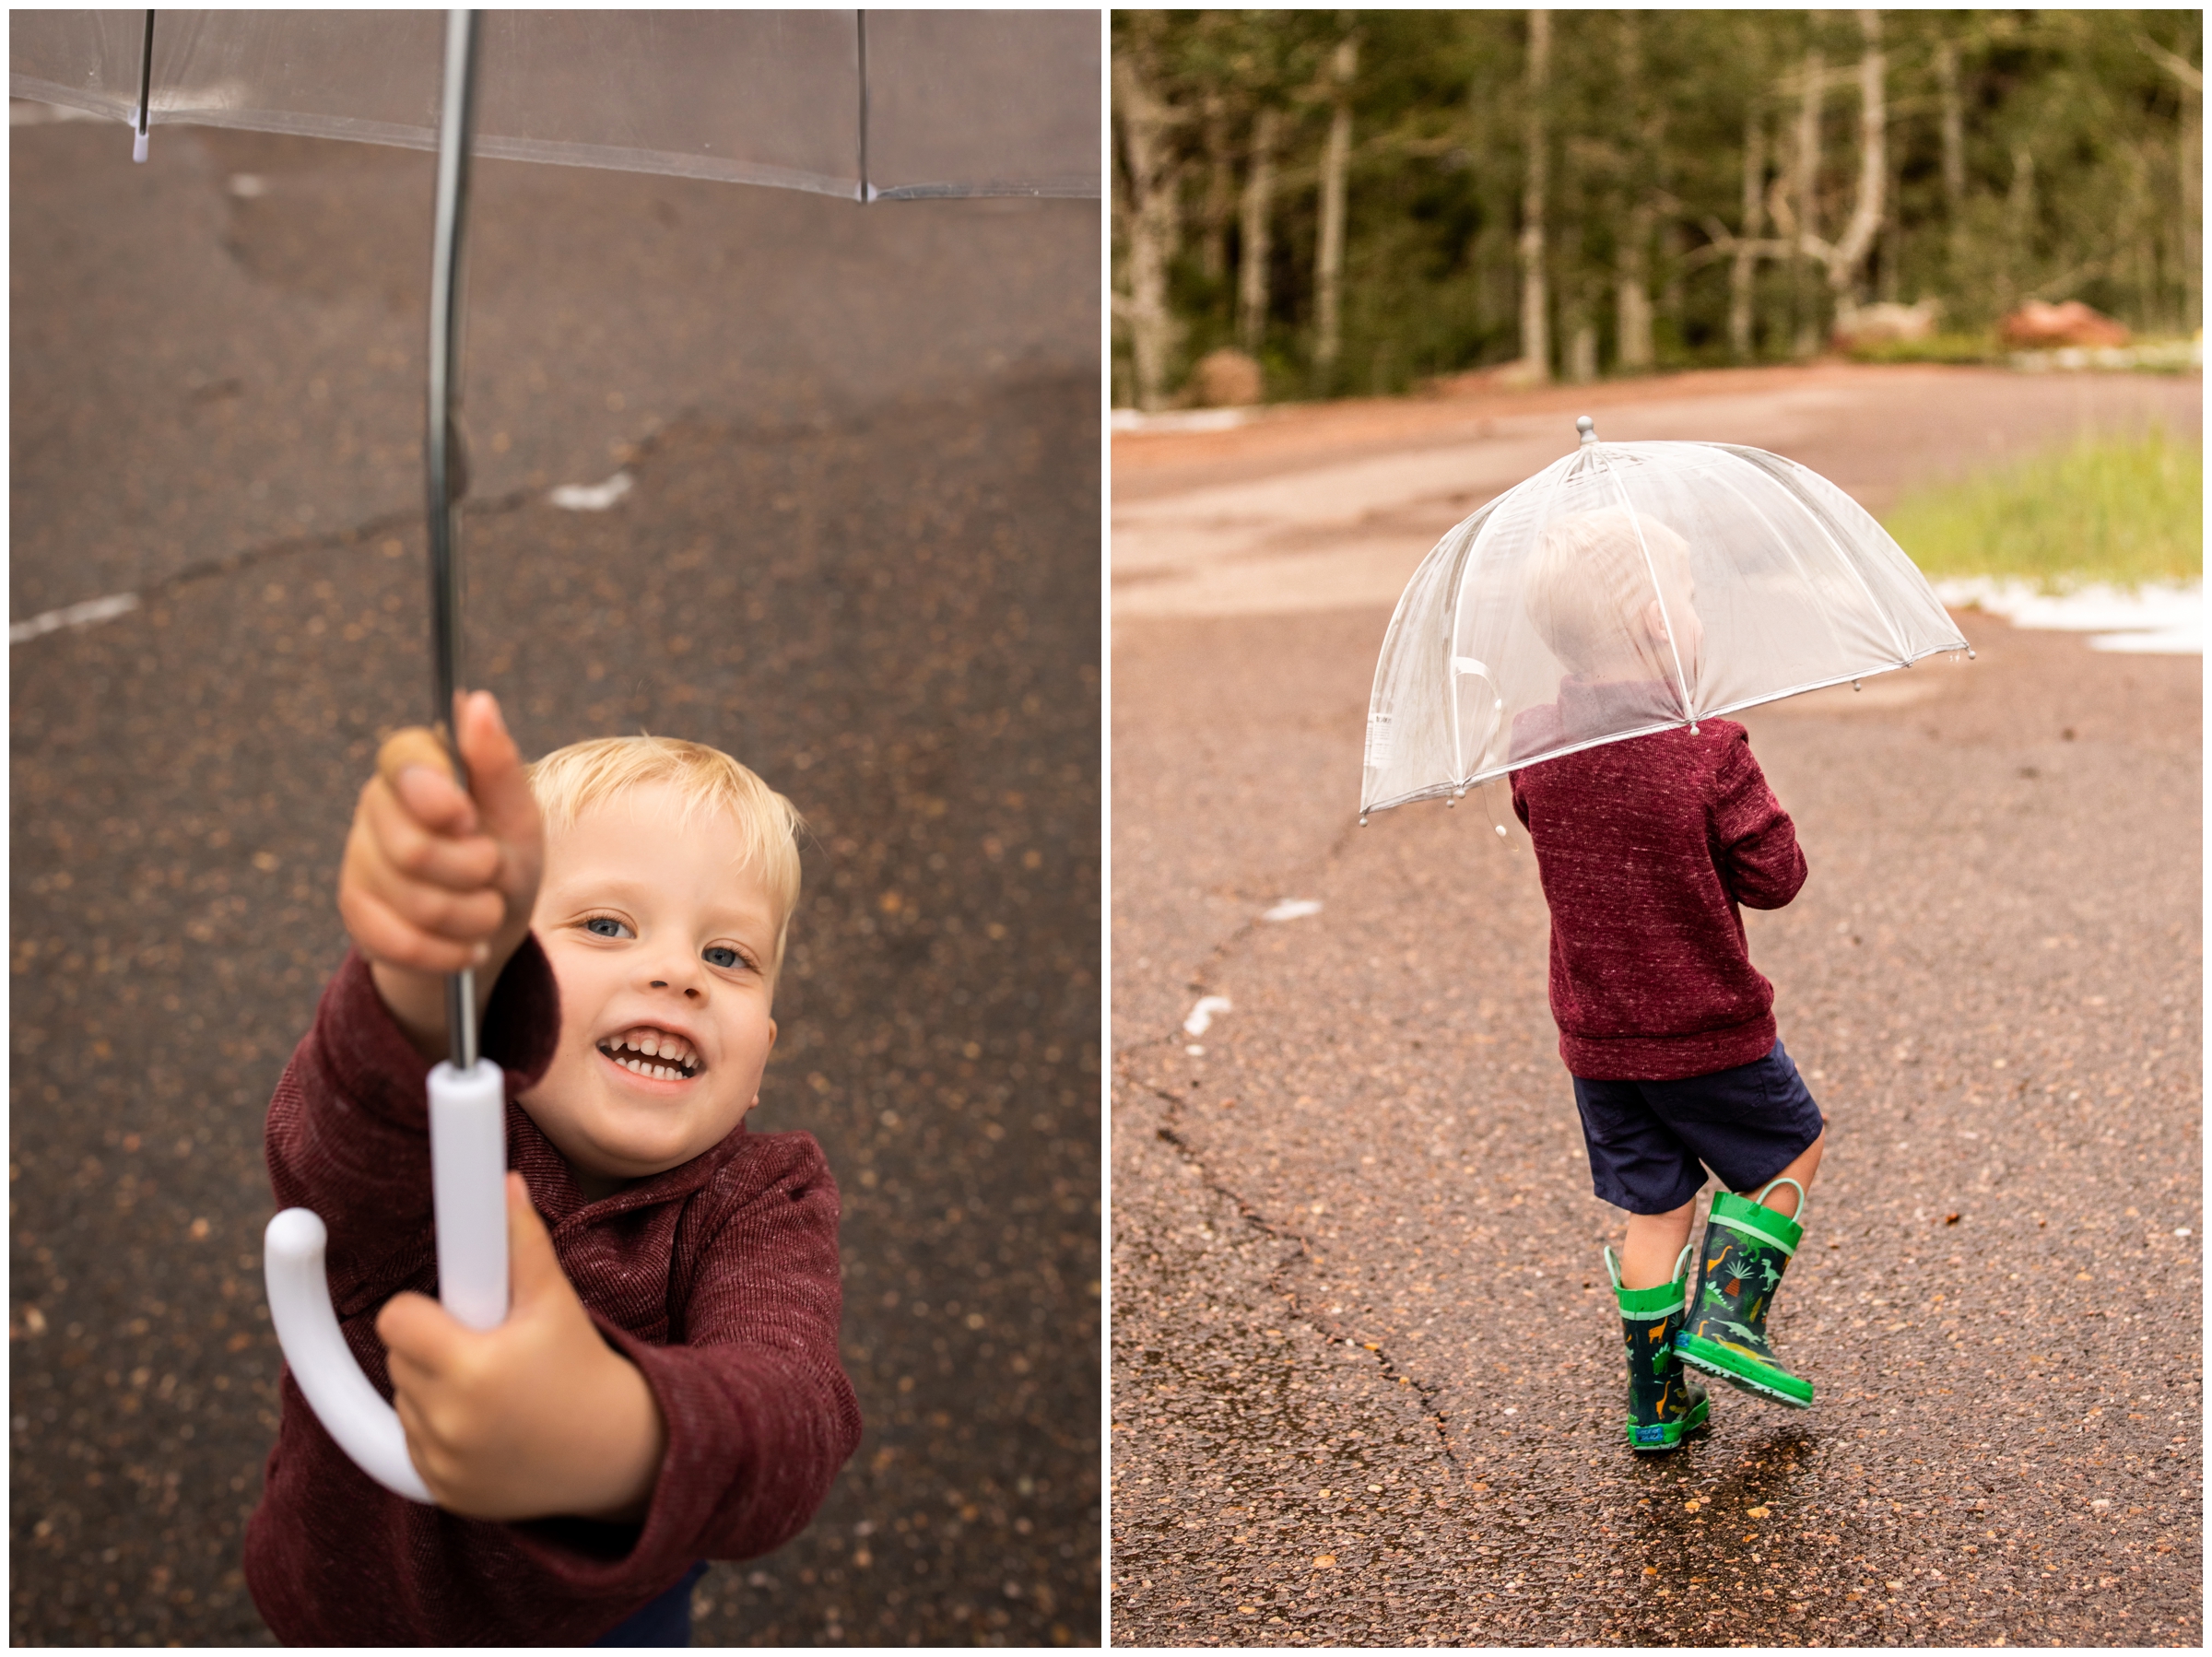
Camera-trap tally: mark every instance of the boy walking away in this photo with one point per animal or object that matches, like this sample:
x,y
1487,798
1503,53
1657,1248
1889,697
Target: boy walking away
x,y
1646,848
666,1387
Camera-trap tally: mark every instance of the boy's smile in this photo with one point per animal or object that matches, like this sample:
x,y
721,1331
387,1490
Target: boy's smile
x,y
663,948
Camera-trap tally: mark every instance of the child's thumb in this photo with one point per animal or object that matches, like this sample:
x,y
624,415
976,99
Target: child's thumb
x,y
532,1266
497,776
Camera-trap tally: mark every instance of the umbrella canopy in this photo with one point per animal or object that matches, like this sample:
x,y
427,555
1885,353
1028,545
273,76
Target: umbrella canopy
x,y
1629,588
869,105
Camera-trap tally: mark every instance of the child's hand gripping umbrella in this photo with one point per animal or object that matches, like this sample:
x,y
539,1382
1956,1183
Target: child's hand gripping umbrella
x,y
1630,588
467,1093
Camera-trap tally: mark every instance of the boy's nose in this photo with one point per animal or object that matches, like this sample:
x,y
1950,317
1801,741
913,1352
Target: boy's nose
x,y
661,983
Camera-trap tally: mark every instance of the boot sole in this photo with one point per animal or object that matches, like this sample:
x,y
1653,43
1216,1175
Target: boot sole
x,y
1761,1383
1695,1421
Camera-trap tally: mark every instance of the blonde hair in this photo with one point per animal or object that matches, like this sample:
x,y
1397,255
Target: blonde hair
x,y
569,782
1588,578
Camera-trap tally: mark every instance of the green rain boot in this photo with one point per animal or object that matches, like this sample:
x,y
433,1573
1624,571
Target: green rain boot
x,y
1666,1402
1747,1247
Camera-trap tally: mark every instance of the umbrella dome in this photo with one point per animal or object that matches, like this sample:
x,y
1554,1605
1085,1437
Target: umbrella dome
x,y
1630,588
873,106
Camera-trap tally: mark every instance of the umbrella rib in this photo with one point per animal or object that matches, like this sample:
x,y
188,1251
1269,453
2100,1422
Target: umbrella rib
x,y
1896,638
860,20
145,87
1783,542
1652,570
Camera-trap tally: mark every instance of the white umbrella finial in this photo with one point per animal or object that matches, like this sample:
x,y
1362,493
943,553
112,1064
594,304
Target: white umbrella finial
x,y
1587,427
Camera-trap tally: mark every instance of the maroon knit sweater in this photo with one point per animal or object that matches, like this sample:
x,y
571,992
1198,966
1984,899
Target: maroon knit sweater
x,y
1645,847
718,1279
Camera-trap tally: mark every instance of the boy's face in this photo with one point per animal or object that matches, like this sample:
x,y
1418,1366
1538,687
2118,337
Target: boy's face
x,y
661,945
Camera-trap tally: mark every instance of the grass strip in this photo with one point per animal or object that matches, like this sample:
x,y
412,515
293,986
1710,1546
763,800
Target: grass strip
x,y
2116,510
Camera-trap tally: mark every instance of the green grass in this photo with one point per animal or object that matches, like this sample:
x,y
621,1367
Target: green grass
x,y
2120,510
1938,347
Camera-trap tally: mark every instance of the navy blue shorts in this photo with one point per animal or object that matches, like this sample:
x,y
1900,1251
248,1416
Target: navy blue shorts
x,y
665,1622
1651,1141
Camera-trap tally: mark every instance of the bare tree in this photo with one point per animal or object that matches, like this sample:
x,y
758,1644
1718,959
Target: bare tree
x,y
1633,262
1952,120
1213,213
1846,260
1744,261
1259,192
1335,163
1536,342
2187,157
1805,181
1148,222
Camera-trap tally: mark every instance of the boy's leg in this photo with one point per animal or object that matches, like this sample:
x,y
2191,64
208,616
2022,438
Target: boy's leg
x,y
1654,1243
1782,1198
1743,1121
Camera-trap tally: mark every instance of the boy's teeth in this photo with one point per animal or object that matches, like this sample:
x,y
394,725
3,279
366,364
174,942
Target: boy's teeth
x,y
679,1060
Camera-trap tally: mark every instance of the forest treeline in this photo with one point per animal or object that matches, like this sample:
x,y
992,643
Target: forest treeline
x,y
1363,200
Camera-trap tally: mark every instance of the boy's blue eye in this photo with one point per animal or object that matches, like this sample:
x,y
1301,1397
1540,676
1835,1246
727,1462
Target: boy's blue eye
x,y
720,955
604,926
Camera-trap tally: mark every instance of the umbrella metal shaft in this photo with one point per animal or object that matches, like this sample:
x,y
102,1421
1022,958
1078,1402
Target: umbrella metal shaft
x,y
446,465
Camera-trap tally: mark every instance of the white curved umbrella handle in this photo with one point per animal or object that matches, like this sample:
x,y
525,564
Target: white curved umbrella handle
x,y
468,1159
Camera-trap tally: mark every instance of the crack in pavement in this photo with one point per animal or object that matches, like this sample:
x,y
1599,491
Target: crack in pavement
x,y
1427,1391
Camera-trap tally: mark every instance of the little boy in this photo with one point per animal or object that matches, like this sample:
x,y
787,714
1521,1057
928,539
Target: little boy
x,y
666,1387
1646,848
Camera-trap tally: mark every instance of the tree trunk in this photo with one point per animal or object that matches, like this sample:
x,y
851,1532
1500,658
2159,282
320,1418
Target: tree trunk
x,y
1847,260
1807,179
1953,122
1743,268
1335,161
1150,226
1632,260
2190,159
1535,341
1213,230
1632,292
1259,192
1893,224
2020,228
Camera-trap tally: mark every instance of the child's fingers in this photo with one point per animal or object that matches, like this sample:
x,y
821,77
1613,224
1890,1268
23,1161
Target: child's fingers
x,y
414,766
383,934
465,919
458,862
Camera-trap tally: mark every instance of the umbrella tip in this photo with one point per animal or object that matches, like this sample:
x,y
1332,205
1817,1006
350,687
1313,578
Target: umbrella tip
x,y
1587,427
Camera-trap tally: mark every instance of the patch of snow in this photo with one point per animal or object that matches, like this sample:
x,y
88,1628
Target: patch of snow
x,y
1179,419
2158,617
1293,908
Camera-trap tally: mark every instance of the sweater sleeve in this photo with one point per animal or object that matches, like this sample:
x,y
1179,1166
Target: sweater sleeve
x,y
759,1413
1754,843
348,1127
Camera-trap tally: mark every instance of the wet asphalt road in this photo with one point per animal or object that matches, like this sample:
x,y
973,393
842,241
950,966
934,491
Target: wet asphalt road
x,y
1366,1370
861,552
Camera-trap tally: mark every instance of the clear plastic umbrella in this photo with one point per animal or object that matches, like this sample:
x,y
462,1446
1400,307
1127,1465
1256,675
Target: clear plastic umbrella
x,y
882,107
1630,588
